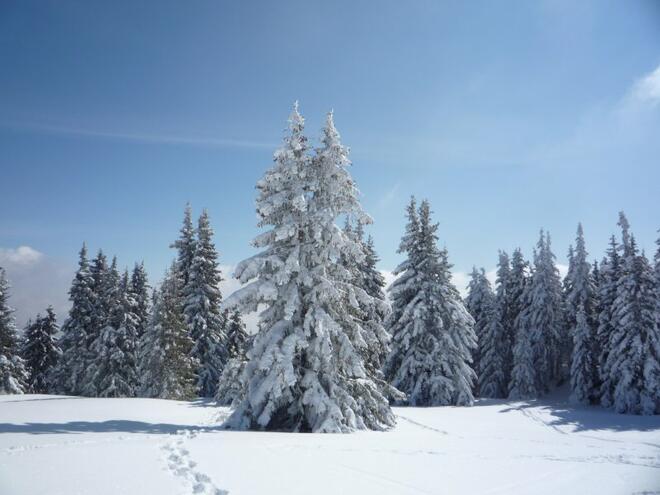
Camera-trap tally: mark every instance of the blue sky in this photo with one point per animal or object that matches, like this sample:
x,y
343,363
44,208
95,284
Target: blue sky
x,y
508,116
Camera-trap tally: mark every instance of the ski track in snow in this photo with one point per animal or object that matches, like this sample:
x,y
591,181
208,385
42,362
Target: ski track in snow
x,y
621,458
421,425
182,466
380,478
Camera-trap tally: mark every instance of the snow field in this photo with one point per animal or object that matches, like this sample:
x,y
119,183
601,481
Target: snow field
x,y
65,445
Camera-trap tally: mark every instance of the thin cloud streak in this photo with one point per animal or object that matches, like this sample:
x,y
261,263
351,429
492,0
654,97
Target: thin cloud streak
x,y
647,88
140,137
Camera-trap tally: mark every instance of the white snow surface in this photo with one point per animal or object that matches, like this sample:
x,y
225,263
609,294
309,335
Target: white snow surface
x,y
67,445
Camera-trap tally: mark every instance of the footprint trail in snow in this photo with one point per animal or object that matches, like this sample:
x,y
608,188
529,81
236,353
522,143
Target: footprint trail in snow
x,y
182,466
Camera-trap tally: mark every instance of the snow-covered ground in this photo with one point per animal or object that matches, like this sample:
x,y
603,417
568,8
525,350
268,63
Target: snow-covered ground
x,y
66,445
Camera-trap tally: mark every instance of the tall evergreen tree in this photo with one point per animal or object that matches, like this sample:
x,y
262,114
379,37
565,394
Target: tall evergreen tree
x,y
580,295
651,394
166,369
523,382
202,310
547,318
479,302
570,312
304,371
116,347
432,331
41,352
504,311
13,375
105,285
76,330
610,272
487,308
633,359
515,287
539,328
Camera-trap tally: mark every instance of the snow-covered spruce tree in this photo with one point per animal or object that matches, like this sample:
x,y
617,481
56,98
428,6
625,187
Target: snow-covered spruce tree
x,y
151,349
610,272
372,309
403,292
539,328
485,307
651,395
492,379
512,297
230,384
70,371
479,302
580,296
582,386
566,338
633,359
608,323
304,371
432,332
166,369
116,347
40,351
202,310
373,283
139,292
105,284
546,316
502,283
13,375
185,246
523,383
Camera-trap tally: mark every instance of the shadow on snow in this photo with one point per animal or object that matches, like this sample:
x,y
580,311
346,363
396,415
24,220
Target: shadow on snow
x,y
583,418
110,426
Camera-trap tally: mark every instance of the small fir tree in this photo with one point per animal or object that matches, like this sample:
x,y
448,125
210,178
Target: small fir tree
x,y
41,352
432,332
13,375
167,371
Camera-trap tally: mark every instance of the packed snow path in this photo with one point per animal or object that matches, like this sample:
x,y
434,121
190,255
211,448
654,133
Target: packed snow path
x,y
65,445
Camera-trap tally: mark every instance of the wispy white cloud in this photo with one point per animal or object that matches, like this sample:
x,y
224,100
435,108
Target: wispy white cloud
x,y
37,281
22,255
646,90
140,137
